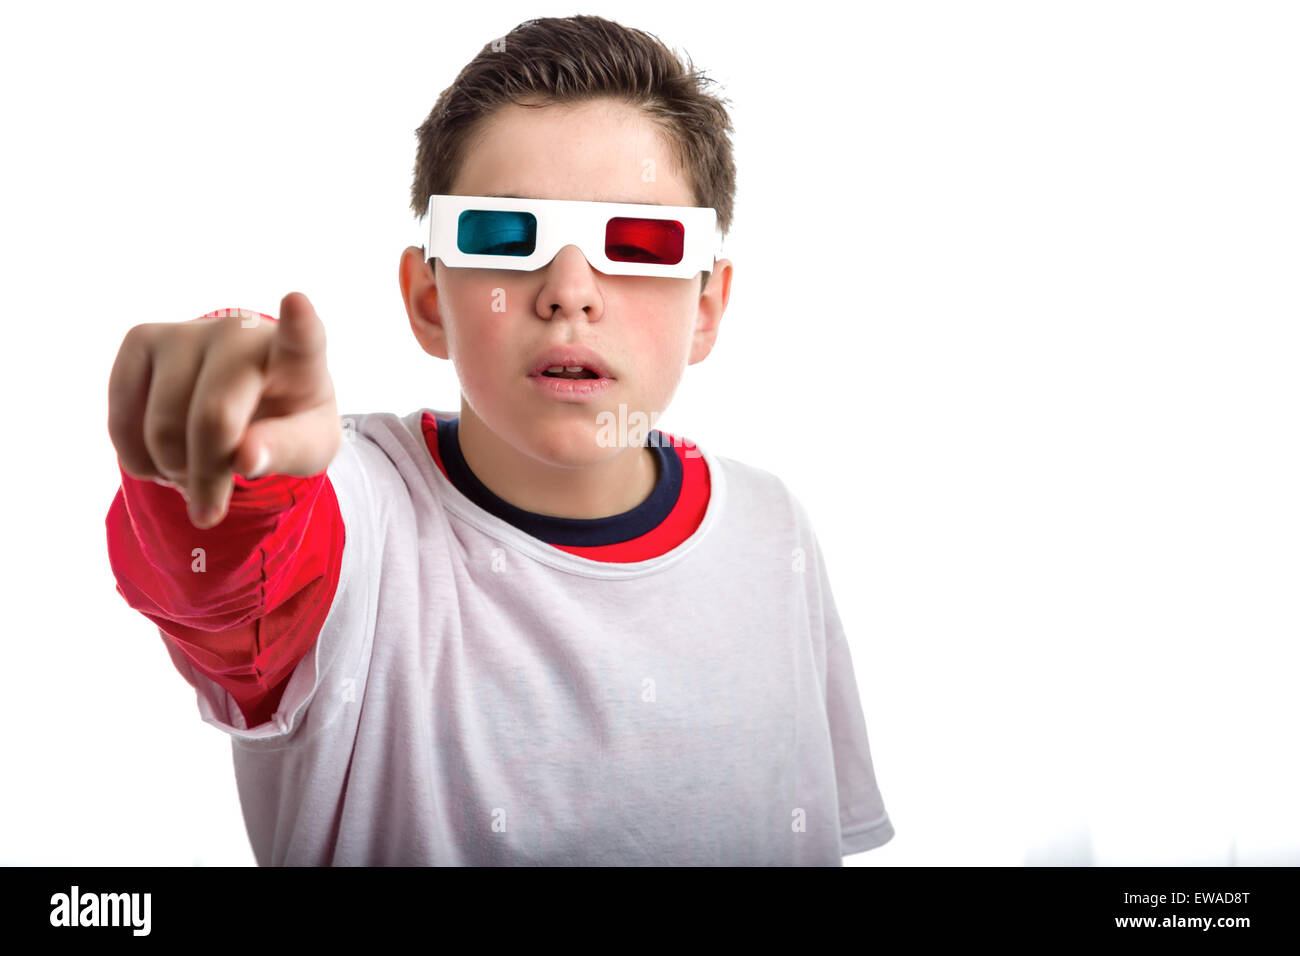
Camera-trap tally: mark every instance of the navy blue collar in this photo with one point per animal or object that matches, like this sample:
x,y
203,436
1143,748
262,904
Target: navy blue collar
x,y
572,532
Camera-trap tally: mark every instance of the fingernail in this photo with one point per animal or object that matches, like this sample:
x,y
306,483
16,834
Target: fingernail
x,y
203,517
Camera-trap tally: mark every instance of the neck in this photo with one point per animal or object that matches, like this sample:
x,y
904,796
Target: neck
x,y
564,475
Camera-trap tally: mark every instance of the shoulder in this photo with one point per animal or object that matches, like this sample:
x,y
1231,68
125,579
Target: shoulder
x,y
374,439
379,459
763,495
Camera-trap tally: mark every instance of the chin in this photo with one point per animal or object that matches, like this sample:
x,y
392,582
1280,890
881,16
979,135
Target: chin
x,y
573,441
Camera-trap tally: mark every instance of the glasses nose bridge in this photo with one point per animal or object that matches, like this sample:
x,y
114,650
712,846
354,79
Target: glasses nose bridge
x,y
578,250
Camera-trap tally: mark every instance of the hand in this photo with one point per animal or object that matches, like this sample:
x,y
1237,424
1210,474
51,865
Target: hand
x,y
193,403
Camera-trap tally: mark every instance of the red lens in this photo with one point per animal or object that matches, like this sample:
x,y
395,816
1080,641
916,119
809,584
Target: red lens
x,y
658,241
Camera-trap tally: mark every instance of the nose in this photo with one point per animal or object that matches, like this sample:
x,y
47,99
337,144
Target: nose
x,y
569,287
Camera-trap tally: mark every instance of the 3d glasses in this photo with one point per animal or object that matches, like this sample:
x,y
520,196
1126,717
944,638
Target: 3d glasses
x,y
625,239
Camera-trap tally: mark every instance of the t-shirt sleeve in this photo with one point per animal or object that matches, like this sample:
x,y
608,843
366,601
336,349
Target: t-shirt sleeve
x,y
864,824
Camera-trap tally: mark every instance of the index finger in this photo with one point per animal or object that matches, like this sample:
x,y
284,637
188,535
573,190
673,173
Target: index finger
x,y
226,392
300,333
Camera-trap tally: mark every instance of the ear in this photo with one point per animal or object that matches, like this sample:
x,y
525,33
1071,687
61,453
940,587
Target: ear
x,y
417,278
712,304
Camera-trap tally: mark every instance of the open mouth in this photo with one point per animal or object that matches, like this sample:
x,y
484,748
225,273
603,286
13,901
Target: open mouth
x,y
569,371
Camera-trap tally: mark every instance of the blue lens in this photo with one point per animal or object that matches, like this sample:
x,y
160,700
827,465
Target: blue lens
x,y
496,232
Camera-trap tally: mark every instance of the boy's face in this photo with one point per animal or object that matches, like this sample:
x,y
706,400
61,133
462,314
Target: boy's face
x,y
646,329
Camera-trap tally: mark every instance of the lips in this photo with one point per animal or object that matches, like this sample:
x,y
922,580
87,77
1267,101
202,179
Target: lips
x,y
568,356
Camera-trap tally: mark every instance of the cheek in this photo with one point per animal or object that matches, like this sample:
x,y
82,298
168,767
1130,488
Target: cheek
x,y
478,338
662,350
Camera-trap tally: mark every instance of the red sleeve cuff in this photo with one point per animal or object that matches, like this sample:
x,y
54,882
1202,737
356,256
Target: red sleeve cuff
x,y
243,601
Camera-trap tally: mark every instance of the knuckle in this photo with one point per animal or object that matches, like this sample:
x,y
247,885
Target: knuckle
x,y
165,441
136,335
162,435
215,418
238,324
125,358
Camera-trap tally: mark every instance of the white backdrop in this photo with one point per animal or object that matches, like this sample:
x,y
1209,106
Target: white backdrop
x,y
1014,314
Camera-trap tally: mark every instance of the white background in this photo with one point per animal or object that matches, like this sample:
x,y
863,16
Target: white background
x,y
1014,314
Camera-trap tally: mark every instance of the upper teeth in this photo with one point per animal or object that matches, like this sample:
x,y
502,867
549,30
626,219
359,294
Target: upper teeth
x,y
565,368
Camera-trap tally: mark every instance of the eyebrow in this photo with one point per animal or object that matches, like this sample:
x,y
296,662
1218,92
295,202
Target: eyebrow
x,y
626,202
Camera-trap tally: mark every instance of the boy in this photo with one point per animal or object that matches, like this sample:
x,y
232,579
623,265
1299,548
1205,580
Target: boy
x,y
501,637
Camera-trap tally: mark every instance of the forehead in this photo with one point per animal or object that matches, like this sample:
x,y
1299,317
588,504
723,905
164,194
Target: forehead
x,y
598,151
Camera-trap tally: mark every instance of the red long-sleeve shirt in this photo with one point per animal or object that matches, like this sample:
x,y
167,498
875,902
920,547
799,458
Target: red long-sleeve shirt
x,y
246,608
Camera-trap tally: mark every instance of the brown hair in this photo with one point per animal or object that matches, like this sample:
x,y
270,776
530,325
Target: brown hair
x,y
554,61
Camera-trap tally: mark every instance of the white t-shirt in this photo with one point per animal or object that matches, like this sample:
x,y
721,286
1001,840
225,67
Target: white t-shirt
x,y
480,697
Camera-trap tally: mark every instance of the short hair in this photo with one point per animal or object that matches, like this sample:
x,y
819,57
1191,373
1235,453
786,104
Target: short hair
x,y
555,61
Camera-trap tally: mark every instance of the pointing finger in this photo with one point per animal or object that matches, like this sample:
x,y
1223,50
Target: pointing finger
x,y
226,394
